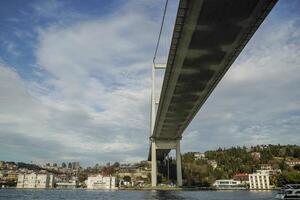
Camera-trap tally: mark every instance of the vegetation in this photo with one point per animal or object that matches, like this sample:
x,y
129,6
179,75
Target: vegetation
x,y
291,177
28,166
237,160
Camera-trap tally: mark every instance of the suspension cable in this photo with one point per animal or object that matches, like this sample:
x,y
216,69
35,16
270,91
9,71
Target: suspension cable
x,y
160,31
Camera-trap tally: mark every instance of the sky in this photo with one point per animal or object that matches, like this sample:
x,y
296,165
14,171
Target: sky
x,y
75,81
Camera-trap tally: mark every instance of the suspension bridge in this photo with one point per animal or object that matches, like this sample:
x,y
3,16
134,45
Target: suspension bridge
x,y
208,35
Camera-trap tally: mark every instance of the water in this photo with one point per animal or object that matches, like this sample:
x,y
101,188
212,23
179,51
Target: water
x,y
19,194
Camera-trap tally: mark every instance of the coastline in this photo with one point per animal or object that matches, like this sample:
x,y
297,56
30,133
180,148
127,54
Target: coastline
x,y
150,188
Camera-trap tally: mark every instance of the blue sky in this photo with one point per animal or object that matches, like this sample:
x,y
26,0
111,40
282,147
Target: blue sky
x,y
75,82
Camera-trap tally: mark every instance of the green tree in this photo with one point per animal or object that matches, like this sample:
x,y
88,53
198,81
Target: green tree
x,y
82,176
297,167
292,177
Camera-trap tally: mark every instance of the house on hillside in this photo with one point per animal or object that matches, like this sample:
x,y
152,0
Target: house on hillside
x,y
199,156
256,155
213,163
293,162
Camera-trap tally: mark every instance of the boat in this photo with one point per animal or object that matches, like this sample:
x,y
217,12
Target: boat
x,y
291,191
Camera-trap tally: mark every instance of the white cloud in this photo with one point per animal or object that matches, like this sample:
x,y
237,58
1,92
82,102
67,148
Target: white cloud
x,y
91,101
270,57
93,98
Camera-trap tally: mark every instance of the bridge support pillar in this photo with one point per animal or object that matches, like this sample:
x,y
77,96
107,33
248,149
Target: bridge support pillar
x,y
165,144
178,164
153,165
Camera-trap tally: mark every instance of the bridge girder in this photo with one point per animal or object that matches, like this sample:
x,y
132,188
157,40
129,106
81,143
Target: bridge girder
x,y
208,36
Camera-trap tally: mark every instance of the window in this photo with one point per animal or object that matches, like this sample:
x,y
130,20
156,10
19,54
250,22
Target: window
x,y
224,182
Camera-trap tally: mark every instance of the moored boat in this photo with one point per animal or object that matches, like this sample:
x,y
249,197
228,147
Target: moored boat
x,y
291,191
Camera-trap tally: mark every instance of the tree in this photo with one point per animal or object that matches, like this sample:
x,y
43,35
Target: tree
x,y
297,167
297,152
292,177
108,170
283,165
82,177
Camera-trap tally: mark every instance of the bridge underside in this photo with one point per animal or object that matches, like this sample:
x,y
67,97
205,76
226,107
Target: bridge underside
x,y
208,36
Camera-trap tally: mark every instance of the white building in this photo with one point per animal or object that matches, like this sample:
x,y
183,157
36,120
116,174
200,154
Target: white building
x,y
256,155
229,184
266,167
101,182
67,185
260,180
34,180
199,156
270,172
293,162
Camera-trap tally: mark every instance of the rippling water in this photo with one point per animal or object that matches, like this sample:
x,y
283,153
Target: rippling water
x,y
20,194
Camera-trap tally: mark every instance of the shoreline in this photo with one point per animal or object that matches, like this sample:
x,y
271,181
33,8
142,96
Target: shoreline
x,y
149,188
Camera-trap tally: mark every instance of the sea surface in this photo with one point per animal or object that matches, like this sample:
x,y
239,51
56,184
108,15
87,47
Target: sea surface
x,y
29,194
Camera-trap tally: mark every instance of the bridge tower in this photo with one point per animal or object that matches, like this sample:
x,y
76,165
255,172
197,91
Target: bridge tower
x,y
157,144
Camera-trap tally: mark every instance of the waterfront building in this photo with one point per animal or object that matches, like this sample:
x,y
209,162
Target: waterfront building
x,y
101,182
260,180
11,176
136,172
67,185
229,184
34,180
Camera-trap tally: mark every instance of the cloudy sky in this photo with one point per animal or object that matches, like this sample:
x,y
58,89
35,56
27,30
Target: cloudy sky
x,y
75,82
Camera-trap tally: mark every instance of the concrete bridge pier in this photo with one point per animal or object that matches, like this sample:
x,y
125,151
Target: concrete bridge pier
x,y
153,165
167,145
178,164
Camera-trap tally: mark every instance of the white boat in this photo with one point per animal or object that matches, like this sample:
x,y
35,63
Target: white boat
x,y
291,191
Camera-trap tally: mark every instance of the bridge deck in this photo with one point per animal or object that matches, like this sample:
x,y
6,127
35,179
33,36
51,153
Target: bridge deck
x,y
207,38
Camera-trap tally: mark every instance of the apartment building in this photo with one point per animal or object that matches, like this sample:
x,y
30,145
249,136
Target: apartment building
x,y
260,180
